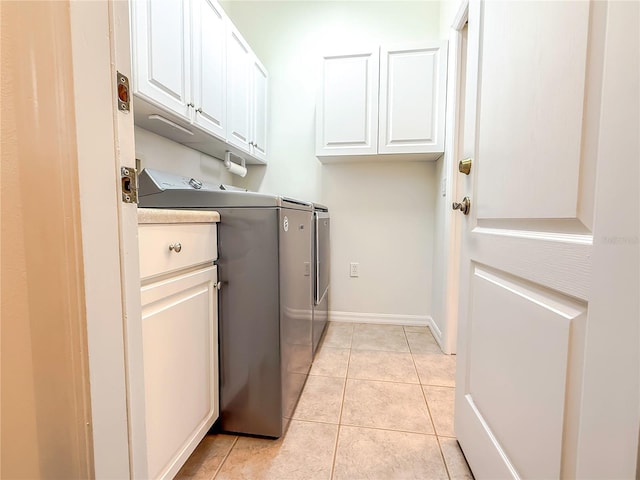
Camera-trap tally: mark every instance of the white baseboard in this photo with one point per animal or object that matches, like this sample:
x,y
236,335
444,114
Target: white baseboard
x,y
435,331
380,318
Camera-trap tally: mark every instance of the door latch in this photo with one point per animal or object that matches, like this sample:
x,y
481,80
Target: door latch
x,y
129,184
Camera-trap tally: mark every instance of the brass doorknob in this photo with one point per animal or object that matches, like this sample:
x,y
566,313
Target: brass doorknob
x,y
464,206
464,166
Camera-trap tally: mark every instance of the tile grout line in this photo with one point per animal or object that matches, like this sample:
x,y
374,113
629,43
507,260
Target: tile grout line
x,y
215,474
433,424
384,381
371,427
344,391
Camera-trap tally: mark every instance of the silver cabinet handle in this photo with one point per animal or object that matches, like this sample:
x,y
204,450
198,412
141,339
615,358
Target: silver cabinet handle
x,y
175,247
217,285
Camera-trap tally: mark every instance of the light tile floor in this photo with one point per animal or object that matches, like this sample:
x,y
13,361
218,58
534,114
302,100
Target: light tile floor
x,y
378,404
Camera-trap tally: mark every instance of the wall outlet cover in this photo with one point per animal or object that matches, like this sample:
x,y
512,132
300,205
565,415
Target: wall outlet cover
x,y
354,269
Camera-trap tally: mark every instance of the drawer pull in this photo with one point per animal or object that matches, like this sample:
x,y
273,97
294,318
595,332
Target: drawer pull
x,y
175,247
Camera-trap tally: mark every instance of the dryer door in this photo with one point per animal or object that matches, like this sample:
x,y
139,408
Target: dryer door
x,y
321,255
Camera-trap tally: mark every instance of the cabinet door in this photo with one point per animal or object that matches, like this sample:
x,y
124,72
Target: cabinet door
x,y
412,99
180,363
161,57
238,90
347,112
259,110
209,68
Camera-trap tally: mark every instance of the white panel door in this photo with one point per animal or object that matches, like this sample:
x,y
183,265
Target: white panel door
x,y
529,403
209,66
180,356
239,61
161,53
347,111
259,84
412,98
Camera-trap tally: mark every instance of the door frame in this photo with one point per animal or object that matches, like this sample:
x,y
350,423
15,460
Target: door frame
x,y
452,223
105,135
93,39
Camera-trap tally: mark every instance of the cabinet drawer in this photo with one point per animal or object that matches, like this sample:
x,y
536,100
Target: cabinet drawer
x,y
197,245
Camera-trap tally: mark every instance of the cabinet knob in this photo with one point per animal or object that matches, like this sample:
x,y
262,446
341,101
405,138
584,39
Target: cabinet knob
x,y
217,285
199,110
175,247
190,104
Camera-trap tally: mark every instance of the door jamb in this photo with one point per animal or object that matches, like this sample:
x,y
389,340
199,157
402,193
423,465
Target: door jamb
x,y
452,145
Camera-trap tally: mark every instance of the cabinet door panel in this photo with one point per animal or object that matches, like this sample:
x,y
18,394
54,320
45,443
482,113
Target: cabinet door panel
x,y
180,355
161,53
209,67
259,110
347,114
412,83
239,90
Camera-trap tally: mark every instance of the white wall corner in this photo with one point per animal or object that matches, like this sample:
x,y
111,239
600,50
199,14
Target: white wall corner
x,y
437,334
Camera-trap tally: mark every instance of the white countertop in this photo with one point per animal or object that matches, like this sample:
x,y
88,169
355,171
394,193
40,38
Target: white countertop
x,y
157,215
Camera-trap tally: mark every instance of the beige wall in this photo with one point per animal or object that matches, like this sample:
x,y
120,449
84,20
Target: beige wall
x,y
382,214
442,209
44,400
154,151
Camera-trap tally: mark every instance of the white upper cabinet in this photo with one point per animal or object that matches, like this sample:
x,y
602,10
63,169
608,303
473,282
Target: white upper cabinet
x,y
239,59
161,56
382,104
196,80
209,66
247,81
259,82
412,99
347,111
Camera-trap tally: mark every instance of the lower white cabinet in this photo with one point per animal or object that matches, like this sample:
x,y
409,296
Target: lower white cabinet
x,y
179,332
179,342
